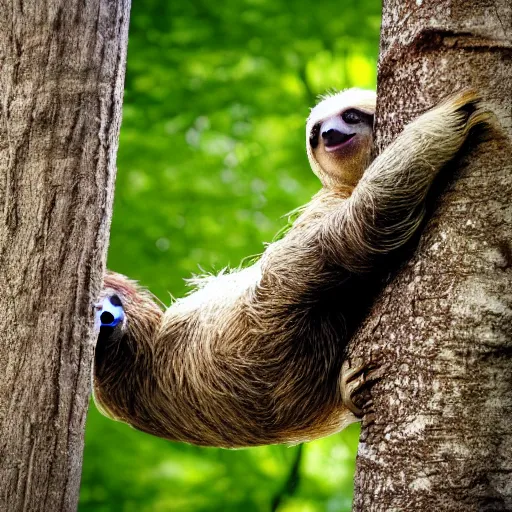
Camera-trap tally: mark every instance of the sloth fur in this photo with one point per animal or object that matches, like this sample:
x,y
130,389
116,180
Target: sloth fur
x,y
254,356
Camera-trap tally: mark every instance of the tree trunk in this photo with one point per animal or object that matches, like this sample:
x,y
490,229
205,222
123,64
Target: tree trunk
x,y
439,434
61,83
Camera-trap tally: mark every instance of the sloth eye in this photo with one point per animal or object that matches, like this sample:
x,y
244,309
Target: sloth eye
x,y
351,116
313,136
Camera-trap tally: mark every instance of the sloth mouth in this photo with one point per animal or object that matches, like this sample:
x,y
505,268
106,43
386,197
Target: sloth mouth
x,y
338,142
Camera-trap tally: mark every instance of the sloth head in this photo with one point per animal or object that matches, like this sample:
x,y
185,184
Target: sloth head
x,y
126,316
339,137
124,311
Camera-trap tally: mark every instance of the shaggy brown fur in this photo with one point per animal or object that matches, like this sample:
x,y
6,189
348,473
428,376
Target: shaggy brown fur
x,y
254,356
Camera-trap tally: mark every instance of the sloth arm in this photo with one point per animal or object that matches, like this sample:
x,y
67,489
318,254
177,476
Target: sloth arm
x,y
388,204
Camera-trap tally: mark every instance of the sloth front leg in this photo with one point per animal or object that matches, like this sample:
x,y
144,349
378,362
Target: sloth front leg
x,y
388,204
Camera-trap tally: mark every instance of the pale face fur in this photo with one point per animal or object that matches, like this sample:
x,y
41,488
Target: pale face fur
x,y
339,137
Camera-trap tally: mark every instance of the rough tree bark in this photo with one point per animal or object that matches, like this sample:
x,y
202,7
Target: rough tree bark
x,y
439,436
61,83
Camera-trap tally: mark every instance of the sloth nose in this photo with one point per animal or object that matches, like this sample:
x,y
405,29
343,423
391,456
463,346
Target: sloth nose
x,y
333,137
107,318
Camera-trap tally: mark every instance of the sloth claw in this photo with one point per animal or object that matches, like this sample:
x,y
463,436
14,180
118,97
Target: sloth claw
x,y
352,380
356,378
110,312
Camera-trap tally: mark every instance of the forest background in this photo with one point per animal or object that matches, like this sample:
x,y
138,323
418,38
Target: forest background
x,y
211,159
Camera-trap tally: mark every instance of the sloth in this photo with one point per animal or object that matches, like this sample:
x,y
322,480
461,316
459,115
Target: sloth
x,y
255,356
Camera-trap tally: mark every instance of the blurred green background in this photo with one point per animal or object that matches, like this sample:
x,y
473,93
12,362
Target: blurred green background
x,y
212,156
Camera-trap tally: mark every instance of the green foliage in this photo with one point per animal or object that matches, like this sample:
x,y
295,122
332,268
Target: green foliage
x,y
211,159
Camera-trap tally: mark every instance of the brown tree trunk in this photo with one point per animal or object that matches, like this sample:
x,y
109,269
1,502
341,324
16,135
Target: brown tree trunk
x,y
440,433
61,83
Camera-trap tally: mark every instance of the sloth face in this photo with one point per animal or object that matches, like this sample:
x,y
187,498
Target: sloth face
x,y
334,134
340,137
340,144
